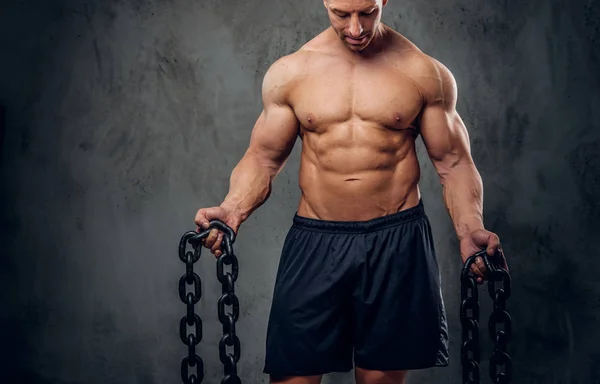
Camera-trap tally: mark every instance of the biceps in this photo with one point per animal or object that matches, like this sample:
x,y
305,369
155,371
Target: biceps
x,y
445,137
274,135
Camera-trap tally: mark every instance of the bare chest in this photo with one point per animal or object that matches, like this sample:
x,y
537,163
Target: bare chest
x,y
373,95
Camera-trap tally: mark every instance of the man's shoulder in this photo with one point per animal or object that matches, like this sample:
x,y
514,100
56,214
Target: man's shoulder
x,y
297,63
291,63
285,72
435,79
413,61
429,74
311,52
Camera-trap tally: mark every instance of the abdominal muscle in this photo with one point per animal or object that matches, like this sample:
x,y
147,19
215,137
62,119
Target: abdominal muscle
x,y
358,173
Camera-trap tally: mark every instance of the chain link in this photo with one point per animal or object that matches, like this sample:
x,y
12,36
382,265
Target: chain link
x,y
469,318
228,299
500,337
229,359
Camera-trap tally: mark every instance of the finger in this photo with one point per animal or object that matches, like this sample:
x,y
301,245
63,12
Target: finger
x,y
494,250
479,276
482,270
475,270
486,239
481,266
201,220
492,245
211,238
217,244
480,238
204,216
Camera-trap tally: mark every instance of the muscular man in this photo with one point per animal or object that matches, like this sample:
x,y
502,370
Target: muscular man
x,y
358,283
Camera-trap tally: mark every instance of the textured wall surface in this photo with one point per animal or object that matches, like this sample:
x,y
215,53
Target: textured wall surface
x,y
122,118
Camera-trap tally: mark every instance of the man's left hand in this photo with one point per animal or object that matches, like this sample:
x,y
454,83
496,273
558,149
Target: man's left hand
x,y
477,241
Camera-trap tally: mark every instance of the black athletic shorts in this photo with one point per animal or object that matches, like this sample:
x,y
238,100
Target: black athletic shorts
x,y
365,293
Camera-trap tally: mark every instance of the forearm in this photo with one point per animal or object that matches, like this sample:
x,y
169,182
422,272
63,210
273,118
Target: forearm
x,y
463,196
249,186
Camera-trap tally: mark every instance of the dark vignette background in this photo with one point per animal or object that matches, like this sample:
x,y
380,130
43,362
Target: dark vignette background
x,y
119,119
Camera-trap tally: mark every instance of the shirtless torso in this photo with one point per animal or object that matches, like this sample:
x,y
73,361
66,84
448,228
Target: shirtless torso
x,y
358,120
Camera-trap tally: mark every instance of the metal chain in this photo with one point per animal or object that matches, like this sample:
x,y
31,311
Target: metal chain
x,y
228,319
190,319
500,337
228,298
469,318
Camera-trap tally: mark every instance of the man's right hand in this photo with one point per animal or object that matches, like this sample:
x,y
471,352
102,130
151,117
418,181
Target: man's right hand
x,y
215,237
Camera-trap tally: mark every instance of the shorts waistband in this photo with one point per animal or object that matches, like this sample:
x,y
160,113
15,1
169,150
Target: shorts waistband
x,y
416,212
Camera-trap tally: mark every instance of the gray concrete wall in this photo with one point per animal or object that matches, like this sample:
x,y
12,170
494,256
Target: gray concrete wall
x,y
125,117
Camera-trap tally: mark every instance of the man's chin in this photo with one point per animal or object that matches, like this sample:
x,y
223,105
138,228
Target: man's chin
x,y
356,47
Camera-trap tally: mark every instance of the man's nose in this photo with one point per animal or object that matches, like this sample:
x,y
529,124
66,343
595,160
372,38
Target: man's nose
x,y
355,28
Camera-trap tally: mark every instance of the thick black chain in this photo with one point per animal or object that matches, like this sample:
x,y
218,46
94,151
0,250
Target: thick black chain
x,y
469,317
499,317
227,300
